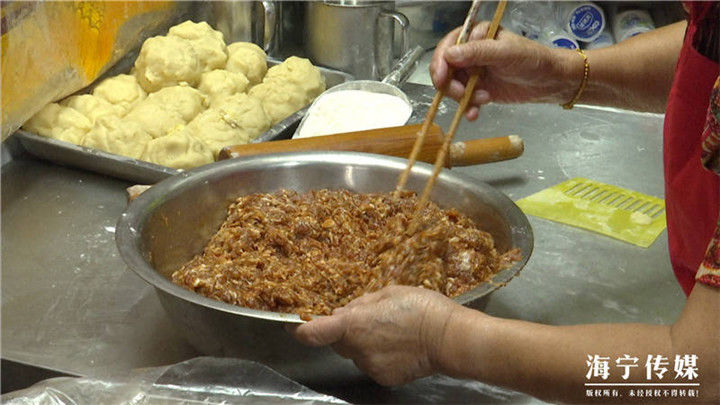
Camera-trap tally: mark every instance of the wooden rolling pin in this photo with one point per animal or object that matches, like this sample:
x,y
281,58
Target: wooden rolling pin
x,y
395,141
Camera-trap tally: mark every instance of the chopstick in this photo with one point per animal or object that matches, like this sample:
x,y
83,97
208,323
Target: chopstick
x,y
439,94
464,101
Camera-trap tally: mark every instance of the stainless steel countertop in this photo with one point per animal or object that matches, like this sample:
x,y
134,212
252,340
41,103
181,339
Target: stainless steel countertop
x,y
69,304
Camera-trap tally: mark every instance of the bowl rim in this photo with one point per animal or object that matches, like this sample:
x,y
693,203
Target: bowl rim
x,y
133,219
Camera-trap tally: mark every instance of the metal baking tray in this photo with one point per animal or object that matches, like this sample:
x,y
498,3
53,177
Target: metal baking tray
x,y
70,154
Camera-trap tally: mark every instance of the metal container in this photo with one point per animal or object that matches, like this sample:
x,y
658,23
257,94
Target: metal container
x,y
140,171
389,85
172,221
431,20
249,21
354,36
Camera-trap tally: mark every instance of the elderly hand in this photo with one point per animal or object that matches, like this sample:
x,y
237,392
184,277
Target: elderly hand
x,y
517,70
394,335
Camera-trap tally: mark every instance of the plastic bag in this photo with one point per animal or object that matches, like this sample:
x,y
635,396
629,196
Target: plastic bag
x,y
203,380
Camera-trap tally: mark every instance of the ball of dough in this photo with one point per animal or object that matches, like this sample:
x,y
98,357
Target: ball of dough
x,y
121,90
43,122
59,122
92,107
211,128
219,84
244,112
298,72
208,43
248,59
167,61
184,100
156,119
178,150
118,136
279,100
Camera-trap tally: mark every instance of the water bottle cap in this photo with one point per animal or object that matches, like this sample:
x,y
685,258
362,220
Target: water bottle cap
x,y
586,22
559,41
605,39
632,32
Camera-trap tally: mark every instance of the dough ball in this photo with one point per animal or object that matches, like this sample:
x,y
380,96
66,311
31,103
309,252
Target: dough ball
x,y
156,119
43,122
300,73
184,100
219,84
165,62
279,100
288,87
246,113
211,128
248,59
178,150
208,43
121,90
118,136
59,122
92,107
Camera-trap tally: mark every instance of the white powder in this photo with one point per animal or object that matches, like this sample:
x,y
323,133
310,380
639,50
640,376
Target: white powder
x,y
354,110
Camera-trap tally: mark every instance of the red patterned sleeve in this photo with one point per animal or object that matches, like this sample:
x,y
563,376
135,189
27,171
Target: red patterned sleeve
x,y
709,271
710,154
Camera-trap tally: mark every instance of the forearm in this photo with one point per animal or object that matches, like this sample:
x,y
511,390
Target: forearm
x,y
634,74
544,361
550,361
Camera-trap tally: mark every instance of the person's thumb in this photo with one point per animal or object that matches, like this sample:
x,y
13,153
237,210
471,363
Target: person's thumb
x,y
321,331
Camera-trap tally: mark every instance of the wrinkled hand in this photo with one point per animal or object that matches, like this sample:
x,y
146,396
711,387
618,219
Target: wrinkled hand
x,y
394,335
517,70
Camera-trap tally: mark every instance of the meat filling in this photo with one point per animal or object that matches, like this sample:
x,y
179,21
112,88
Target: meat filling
x,y
308,253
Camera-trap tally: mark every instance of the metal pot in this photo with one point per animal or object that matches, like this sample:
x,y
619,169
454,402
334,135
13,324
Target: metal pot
x,y
172,221
354,36
249,21
431,20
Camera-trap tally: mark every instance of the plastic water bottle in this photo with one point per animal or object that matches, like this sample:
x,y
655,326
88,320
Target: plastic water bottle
x,y
584,20
628,23
604,40
528,18
534,20
555,37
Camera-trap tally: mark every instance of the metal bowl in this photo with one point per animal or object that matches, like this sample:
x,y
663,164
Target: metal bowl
x,y
172,221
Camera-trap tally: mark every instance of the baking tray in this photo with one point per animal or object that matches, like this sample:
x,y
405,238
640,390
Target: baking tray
x,y
138,171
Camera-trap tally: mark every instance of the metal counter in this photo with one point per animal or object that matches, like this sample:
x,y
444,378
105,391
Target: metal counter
x,y
69,304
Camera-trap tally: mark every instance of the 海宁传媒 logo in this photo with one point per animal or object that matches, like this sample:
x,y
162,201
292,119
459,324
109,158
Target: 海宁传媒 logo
x,y
655,376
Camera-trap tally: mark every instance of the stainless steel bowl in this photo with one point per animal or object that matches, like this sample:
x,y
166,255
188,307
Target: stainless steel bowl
x,y
172,221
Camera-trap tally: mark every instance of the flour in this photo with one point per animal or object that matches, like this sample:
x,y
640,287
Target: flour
x,y
354,110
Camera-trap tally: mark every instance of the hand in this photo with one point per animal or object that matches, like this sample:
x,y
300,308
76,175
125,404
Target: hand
x,y
517,70
394,335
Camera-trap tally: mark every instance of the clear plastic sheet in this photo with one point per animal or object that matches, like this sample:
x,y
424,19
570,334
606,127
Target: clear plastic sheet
x,y
203,380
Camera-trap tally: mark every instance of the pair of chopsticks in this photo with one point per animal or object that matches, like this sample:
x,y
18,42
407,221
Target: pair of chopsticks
x,y
430,117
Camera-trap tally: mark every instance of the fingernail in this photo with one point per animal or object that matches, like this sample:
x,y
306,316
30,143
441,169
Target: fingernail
x,y
483,96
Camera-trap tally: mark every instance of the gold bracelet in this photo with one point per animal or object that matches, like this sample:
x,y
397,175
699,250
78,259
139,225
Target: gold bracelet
x,y
586,74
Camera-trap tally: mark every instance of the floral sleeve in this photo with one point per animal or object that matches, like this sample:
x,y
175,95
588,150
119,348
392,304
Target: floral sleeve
x,y
709,271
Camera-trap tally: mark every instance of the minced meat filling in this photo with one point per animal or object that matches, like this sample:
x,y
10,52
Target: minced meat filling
x,y
309,253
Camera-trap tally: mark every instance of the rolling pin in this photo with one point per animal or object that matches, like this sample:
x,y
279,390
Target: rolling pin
x,y
394,141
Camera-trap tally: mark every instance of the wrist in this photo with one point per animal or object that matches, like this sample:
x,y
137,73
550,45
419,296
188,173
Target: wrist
x,y
570,70
463,334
